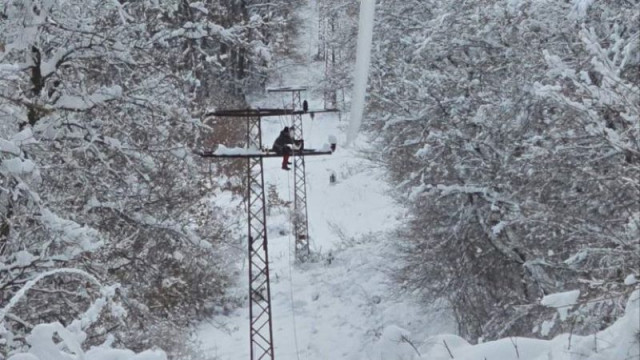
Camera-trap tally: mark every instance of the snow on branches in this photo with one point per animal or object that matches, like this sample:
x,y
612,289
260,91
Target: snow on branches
x,y
54,341
96,118
511,129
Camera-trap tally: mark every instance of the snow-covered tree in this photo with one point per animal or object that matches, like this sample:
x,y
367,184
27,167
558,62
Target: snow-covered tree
x,y
337,34
100,104
55,341
513,127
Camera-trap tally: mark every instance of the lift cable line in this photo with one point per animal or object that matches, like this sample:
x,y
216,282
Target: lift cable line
x,y
261,328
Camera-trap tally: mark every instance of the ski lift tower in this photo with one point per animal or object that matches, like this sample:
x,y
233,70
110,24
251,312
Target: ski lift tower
x,y
300,215
261,330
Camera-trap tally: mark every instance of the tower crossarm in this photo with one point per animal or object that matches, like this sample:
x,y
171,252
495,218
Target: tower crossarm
x,y
265,155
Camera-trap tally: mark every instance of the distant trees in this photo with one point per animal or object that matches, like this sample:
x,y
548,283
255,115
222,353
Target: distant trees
x,y
513,127
100,105
337,35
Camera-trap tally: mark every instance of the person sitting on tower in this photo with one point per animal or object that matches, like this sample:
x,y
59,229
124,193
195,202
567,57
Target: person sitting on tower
x,y
284,145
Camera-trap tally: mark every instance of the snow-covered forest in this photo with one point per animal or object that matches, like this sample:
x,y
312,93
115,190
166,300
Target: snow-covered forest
x,y
513,126
489,207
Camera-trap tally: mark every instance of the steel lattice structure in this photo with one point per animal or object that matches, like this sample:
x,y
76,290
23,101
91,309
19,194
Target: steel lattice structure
x,y
261,328
300,215
259,286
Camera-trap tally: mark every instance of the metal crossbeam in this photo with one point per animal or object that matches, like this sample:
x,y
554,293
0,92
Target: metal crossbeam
x,y
242,113
261,332
287,89
306,152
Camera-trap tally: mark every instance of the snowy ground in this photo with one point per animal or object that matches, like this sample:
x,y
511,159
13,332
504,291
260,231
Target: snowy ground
x,y
337,306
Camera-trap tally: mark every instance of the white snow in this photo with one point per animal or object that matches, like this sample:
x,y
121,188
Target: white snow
x,y
497,228
546,326
17,166
121,12
113,142
223,150
86,101
49,66
561,301
24,258
630,280
9,147
395,343
617,342
506,349
11,67
580,8
83,238
361,70
24,137
44,345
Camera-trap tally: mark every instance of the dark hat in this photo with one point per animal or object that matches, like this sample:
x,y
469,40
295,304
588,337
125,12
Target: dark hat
x,y
286,129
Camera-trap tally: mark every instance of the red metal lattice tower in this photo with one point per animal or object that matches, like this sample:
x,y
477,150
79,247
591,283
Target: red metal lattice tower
x,y
259,286
300,215
261,328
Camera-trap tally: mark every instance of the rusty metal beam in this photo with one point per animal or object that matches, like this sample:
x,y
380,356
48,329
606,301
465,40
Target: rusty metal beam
x,y
265,155
287,89
243,113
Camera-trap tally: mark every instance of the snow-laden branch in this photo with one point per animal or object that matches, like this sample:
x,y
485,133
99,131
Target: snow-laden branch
x,y
87,101
168,225
611,91
81,238
561,302
194,31
21,293
12,145
53,341
483,191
